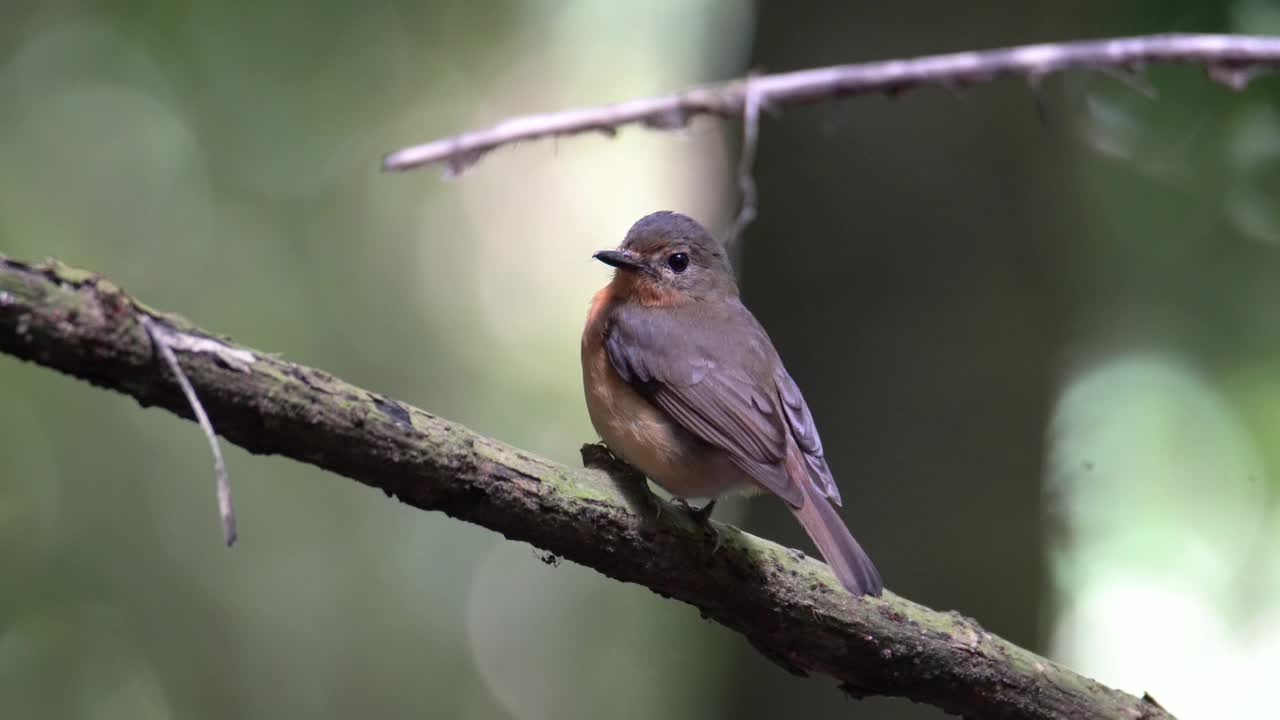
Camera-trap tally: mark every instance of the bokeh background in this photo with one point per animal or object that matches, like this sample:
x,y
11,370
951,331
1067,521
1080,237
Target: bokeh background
x,y
1036,328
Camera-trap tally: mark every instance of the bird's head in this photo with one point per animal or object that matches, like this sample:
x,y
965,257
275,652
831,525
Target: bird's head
x,y
668,258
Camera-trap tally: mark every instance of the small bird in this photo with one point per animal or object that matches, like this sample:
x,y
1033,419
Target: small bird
x,y
684,384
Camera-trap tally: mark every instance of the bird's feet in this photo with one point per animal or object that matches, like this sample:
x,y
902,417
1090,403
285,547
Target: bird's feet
x,y
702,517
630,481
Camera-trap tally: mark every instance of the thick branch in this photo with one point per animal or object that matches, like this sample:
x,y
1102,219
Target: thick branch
x,y
1230,59
787,605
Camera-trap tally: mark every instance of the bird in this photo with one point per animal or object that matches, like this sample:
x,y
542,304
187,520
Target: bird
x,y
683,383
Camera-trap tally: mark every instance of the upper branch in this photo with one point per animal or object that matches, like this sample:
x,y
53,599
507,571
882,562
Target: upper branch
x,y
1229,59
787,605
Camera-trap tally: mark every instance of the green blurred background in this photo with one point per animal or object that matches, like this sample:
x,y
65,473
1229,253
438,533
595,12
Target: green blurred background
x,y
1039,342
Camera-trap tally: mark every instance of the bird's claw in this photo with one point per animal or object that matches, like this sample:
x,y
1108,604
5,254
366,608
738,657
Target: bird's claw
x,y
701,516
719,539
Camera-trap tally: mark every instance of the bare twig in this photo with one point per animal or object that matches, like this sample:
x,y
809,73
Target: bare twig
x,y
1229,59
165,340
746,159
785,604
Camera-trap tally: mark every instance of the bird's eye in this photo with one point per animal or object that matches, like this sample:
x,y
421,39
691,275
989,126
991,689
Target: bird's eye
x,y
678,262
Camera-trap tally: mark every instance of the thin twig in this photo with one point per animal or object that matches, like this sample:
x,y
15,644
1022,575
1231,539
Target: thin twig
x,y
746,159
165,340
1229,59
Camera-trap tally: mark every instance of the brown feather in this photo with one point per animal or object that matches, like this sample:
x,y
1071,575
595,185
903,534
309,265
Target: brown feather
x,y
684,383
848,561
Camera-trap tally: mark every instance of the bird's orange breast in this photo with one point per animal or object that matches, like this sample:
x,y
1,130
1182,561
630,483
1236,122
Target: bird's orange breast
x,y
637,430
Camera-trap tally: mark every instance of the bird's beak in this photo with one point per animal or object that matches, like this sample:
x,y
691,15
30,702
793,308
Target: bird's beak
x,y
624,259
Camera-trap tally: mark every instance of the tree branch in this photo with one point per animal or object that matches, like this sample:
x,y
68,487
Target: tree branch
x,y
1229,59
787,605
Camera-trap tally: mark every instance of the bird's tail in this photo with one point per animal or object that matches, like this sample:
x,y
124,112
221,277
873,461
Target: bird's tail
x,y
850,563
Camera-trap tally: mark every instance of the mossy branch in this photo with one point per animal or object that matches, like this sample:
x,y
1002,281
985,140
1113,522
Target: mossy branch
x,y
787,605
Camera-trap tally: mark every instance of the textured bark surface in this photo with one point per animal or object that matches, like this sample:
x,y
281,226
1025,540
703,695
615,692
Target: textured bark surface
x,y
787,605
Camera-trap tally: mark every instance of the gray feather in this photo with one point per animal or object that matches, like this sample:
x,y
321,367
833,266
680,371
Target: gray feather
x,y
733,395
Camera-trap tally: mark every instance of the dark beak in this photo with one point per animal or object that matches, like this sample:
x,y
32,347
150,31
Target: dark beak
x,y
620,259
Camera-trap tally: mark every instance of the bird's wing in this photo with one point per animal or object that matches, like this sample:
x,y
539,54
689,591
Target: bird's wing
x,y
724,391
805,432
